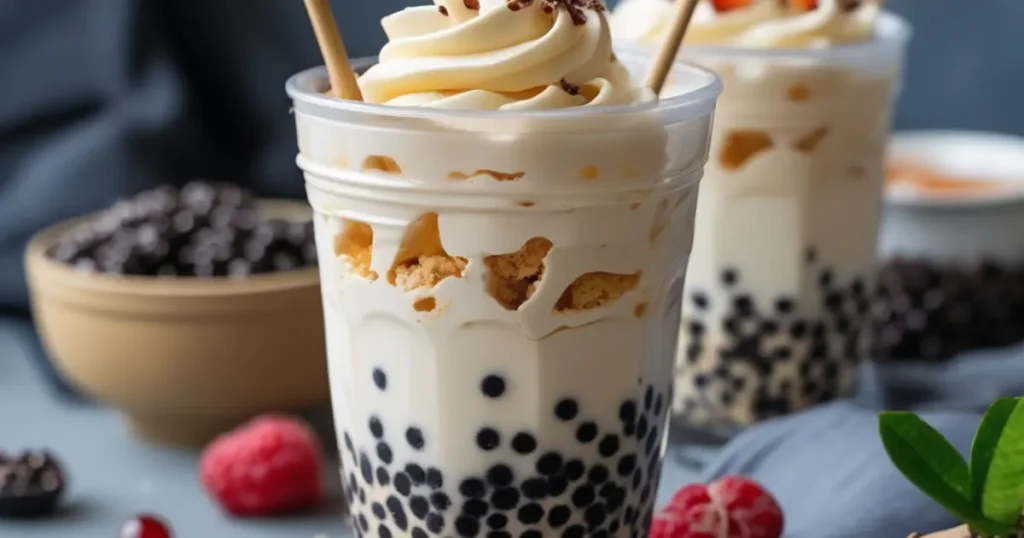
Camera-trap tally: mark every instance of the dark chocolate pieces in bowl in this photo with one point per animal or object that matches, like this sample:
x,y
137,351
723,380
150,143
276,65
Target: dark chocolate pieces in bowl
x,y
932,311
31,485
202,230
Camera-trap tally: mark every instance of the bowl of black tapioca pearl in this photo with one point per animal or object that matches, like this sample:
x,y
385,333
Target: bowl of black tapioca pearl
x,y
951,251
190,309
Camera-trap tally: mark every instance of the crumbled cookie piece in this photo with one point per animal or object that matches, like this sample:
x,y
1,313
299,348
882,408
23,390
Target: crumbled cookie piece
x,y
421,261
595,290
355,245
514,276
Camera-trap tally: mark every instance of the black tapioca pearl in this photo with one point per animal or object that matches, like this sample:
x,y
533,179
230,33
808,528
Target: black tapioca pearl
x,y
549,464
467,526
738,383
743,305
414,436
843,324
497,521
769,327
599,533
493,386
383,531
825,278
696,329
598,474
782,352
556,485
629,428
499,534
574,469
505,498
785,305
383,478
500,475
434,478
365,469
652,465
648,398
818,330
595,515
477,508
363,523
530,513
641,428
397,512
574,531
614,526
566,409
488,439
659,403
693,352
699,299
609,445
626,465
617,498
798,329
637,477
857,287
819,351
435,523
831,371
474,488
809,388
384,452
378,511
559,515
534,488
419,533
416,473
402,483
376,428
722,371
731,326
730,277
834,301
362,495
380,379
726,398
352,480
524,443
583,496
629,515
811,255
607,490
440,501
700,380
532,533
627,411
348,443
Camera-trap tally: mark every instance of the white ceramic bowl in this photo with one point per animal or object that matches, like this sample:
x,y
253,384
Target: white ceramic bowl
x,y
964,228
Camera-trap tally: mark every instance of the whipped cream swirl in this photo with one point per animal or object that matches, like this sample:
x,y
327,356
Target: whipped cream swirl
x,y
763,24
500,55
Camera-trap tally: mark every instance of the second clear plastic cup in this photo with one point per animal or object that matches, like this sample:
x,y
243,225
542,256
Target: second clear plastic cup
x,y
780,280
501,295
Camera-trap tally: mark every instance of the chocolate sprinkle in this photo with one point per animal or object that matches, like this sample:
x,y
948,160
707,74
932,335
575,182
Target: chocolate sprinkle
x,y
576,8
570,89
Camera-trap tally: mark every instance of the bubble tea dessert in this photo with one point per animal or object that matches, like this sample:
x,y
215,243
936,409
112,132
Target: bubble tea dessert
x,y
777,290
503,228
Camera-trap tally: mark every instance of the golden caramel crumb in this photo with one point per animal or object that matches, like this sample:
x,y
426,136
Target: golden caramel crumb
x,y
514,276
594,290
355,245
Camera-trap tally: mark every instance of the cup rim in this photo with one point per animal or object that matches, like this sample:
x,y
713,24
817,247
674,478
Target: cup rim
x,y
891,31
938,138
305,88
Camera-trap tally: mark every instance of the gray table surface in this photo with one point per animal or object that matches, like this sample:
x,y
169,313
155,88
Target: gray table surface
x,y
113,476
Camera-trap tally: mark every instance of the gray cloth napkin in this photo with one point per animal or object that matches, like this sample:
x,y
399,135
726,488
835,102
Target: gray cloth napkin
x,y
827,466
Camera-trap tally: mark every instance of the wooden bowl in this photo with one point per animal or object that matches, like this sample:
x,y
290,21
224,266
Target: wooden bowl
x,y
183,358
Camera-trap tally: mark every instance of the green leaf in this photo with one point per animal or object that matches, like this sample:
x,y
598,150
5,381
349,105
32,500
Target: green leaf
x,y
1003,495
929,462
984,446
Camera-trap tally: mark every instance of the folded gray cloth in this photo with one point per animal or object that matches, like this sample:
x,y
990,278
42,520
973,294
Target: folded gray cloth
x,y
831,475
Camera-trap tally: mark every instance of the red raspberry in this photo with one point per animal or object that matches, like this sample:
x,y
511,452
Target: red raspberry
x,y
733,507
269,466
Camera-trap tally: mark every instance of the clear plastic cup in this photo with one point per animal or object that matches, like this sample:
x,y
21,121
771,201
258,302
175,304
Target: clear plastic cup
x,y
502,298
779,283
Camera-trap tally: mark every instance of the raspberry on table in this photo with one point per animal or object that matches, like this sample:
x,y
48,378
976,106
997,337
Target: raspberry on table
x,y
269,466
732,507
